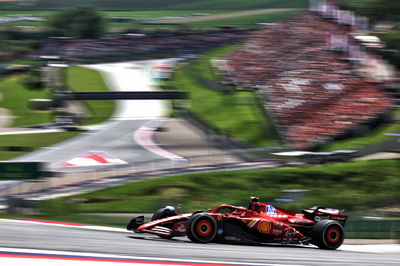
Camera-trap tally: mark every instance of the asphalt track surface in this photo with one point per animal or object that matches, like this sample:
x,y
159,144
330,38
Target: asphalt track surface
x,y
115,137
120,243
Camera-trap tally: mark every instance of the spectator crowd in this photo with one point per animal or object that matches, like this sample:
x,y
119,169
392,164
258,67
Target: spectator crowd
x,y
141,44
313,94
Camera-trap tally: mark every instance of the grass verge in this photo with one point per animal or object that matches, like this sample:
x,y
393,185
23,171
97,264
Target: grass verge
x,y
351,186
171,4
88,80
244,22
15,97
31,141
374,136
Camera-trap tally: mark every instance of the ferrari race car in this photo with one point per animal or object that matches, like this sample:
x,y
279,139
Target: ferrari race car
x,y
259,223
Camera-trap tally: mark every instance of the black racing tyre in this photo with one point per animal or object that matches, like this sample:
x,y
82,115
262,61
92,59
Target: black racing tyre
x,y
328,234
202,228
163,213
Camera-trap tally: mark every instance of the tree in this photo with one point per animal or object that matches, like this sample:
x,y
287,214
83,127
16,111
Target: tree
x,y
82,22
376,10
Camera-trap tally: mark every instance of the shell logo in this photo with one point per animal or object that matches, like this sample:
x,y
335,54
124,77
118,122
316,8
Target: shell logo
x,y
264,226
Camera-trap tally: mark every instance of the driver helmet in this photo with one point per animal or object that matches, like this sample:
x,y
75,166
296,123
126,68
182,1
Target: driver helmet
x,y
253,204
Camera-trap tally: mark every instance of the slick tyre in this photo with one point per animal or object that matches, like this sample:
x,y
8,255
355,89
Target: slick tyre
x,y
163,213
202,228
328,234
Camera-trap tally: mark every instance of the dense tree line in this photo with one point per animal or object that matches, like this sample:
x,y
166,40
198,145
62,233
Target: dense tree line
x,y
82,22
382,11
376,10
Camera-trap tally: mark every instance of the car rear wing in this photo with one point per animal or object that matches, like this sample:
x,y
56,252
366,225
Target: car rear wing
x,y
318,213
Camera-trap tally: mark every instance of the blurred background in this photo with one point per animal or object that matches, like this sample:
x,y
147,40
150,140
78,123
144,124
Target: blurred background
x,y
109,108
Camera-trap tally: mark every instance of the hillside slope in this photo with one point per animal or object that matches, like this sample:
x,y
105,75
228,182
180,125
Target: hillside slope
x,y
171,4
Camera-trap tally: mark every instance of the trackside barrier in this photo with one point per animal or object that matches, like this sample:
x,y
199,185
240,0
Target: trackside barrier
x,y
392,145
73,176
230,159
373,229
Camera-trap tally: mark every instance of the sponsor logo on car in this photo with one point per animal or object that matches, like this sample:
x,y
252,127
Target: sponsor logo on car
x,y
270,210
300,221
264,226
232,238
180,228
289,232
279,225
276,232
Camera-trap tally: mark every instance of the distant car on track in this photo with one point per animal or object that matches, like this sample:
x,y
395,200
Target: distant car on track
x,y
259,223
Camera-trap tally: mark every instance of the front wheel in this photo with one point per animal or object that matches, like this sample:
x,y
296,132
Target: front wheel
x,y
202,228
328,234
163,213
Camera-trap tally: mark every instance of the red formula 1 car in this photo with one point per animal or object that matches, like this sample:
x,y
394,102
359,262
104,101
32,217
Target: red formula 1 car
x,y
260,223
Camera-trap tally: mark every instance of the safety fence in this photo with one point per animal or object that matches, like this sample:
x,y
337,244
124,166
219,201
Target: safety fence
x,y
373,229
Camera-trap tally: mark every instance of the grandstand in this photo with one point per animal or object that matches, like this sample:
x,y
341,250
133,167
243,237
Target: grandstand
x,y
141,44
311,91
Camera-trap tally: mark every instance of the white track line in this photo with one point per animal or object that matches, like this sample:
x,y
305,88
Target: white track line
x,y
47,257
80,226
145,138
378,248
368,248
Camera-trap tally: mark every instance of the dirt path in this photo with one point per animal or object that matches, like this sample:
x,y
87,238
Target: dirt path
x,y
227,15
5,116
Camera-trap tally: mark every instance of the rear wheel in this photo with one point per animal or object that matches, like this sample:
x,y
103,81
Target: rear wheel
x,y
328,234
202,228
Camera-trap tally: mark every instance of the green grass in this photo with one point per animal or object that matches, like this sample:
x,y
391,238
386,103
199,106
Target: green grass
x,y
235,114
237,4
170,4
88,80
37,13
32,141
374,136
15,97
352,186
133,14
244,22
157,14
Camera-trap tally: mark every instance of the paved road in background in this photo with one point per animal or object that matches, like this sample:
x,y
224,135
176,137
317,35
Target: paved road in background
x,y
42,236
116,137
116,141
